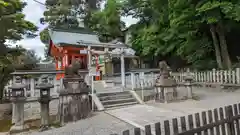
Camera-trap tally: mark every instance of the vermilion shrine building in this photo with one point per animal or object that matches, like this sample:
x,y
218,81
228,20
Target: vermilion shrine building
x,y
65,45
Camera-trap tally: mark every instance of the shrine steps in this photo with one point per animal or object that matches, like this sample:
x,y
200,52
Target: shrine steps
x,y
116,99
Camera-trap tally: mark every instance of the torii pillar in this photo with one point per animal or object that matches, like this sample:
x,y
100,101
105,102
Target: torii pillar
x,y
123,69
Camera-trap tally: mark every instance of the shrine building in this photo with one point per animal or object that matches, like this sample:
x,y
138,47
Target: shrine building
x,y
65,45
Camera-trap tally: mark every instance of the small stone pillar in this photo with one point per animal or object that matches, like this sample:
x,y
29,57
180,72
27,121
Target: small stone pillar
x,y
44,100
133,80
188,77
18,98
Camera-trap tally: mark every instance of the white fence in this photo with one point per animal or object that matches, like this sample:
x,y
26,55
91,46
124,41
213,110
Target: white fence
x,y
146,80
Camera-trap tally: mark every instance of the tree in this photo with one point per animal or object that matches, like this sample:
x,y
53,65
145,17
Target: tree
x,y
65,14
13,27
107,22
16,58
45,38
13,21
194,30
68,13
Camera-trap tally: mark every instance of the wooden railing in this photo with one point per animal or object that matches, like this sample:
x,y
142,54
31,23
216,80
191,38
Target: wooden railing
x,y
221,121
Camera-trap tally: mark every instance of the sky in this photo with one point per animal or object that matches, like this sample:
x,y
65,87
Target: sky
x,y
34,11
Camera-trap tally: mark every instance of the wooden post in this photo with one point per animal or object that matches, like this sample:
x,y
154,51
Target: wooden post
x,y
210,76
214,75
238,75
221,76
225,77
229,80
233,76
230,125
201,76
217,77
205,76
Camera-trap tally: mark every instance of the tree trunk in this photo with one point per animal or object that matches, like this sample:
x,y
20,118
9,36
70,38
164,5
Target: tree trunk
x,y
223,44
216,46
2,85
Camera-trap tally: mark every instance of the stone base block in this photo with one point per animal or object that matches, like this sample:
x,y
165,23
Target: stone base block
x,y
17,129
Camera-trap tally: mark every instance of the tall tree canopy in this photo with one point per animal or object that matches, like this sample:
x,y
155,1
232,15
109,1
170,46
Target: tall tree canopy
x,y
194,30
203,33
12,22
107,22
67,13
13,27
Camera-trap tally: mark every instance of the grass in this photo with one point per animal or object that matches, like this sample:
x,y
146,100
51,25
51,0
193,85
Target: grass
x,y
32,124
5,125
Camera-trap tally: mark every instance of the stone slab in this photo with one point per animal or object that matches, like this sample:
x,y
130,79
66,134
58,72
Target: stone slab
x,y
141,115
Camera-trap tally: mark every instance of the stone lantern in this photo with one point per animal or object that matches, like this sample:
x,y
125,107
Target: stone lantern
x,y
44,100
18,98
188,78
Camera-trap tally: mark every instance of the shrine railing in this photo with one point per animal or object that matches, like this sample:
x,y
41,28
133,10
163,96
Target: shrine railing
x,y
146,79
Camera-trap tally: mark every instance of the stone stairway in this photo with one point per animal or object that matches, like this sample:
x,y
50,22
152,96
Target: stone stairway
x,y
112,100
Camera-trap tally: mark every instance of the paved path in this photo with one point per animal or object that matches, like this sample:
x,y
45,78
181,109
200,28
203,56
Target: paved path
x,y
141,115
100,124
151,112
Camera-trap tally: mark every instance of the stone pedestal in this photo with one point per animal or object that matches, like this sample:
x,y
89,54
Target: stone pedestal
x,y
18,99
74,100
44,106
188,77
189,90
165,93
19,115
44,103
165,85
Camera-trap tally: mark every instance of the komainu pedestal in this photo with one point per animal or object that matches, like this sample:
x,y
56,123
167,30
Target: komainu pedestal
x,y
165,84
74,98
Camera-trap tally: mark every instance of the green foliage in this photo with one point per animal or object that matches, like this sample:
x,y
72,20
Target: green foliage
x,y
107,23
13,21
180,27
67,12
13,27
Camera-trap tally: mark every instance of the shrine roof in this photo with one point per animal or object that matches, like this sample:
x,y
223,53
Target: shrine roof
x,y
64,36
79,37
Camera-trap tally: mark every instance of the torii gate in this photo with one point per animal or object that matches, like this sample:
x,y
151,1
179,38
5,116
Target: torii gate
x,y
98,53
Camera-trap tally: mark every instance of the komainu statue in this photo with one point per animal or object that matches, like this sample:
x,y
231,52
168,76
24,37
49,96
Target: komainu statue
x,y
165,81
74,98
164,78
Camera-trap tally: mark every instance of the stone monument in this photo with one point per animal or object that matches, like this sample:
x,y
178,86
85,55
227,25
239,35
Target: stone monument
x,y
164,83
74,98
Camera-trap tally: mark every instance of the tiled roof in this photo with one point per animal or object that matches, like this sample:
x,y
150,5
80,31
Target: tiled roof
x,y
64,37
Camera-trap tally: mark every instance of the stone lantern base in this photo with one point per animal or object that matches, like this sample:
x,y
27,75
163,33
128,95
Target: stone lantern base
x,y
17,129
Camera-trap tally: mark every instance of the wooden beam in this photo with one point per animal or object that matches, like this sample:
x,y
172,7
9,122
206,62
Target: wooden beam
x,y
106,45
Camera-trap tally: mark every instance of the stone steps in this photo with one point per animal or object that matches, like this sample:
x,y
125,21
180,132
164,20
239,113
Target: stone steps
x,y
116,99
115,106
